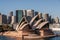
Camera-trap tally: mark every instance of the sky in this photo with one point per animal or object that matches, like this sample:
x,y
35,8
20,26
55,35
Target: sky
x,y
45,6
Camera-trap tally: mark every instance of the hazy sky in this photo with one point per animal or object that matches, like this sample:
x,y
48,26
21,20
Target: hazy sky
x,y
45,6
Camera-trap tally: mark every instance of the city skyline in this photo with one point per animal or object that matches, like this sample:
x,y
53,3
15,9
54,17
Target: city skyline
x,y
45,6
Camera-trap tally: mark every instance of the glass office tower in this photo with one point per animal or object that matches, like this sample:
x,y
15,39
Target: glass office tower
x,y
19,14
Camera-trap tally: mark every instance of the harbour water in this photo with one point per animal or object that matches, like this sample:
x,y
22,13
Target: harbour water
x,y
13,38
8,38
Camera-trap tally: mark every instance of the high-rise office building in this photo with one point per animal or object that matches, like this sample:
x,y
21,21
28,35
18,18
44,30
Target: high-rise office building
x,y
36,13
9,18
11,13
46,17
56,20
50,19
19,15
25,13
40,15
13,20
3,19
30,13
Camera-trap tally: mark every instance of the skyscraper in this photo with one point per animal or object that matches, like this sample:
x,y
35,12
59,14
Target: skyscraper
x,y
25,13
3,19
46,17
40,15
30,13
13,20
36,13
56,20
19,15
9,19
11,13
